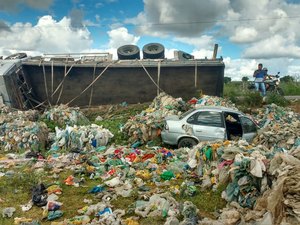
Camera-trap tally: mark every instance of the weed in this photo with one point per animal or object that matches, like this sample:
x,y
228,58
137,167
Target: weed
x,y
290,88
114,126
253,99
276,99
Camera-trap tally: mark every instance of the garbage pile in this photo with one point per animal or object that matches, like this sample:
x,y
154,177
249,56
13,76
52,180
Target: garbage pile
x,y
280,127
278,200
207,100
19,130
148,124
80,138
8,114
23,135
63,115
261,178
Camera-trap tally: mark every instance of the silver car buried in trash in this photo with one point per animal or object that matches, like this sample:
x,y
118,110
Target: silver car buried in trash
x,y
207,124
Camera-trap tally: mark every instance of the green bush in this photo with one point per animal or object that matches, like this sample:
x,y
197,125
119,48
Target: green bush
x,y
232,90
290,88
276,99
252,99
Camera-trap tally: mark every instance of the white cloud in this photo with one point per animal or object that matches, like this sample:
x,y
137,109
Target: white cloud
x,y
239,68
267,31
202,53
120,36
273,47
47,36
177,17
203,41
244,35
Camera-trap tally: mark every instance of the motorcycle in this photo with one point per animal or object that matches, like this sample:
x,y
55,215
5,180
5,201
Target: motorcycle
x,y
272,84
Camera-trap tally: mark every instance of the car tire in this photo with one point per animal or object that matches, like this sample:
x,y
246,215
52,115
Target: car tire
x,y
128,52
187,142
153,51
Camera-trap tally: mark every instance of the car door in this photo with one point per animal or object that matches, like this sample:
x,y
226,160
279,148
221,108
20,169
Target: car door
x,y
249,128
207,125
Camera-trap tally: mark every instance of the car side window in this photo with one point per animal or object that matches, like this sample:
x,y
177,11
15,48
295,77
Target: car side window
x,y
248,125
206,118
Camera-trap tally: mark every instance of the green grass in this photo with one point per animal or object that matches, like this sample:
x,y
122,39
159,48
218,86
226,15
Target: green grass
x,y
114,117
244,99
277,99
290,88
16,190
114,125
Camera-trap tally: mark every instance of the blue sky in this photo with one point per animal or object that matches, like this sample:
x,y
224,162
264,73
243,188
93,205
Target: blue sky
x,y
247,32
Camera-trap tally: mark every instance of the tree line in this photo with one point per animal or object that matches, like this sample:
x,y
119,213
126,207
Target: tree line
x,y
286,79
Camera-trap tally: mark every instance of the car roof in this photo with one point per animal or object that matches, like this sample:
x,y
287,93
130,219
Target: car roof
x,y
218,109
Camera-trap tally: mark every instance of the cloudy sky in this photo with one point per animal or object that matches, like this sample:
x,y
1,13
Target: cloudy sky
x,y
247,31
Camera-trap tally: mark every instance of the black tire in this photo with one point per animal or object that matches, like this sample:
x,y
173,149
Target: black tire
x,y
153,51
128,52
20,55
187,142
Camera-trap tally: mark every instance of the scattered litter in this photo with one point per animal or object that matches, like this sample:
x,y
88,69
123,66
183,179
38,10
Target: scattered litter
x,y
82,138
63,115
8,212
23,135
261,178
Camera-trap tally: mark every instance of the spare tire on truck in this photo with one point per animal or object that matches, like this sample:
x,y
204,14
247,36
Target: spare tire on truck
x,y
128,52
20,55
153,51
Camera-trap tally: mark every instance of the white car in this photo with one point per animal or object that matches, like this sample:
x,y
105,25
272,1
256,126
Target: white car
x,y
207,124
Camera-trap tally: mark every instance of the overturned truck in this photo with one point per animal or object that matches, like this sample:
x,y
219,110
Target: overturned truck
x,y
96,79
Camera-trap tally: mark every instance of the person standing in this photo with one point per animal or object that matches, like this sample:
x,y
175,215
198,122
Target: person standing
x,y
260,76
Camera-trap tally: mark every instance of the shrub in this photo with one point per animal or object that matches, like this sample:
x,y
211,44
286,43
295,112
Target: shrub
x,y
252,99
276,99
290,88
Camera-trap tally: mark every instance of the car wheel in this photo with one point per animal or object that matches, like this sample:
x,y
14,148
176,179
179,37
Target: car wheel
x,y
128,52
186,142
153,51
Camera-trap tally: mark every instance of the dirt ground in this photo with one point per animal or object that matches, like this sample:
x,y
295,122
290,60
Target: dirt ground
x,y
295,105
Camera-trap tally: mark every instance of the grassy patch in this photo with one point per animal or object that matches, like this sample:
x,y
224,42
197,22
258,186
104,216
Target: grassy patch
x,y
276,99
114,117
113,125
290,88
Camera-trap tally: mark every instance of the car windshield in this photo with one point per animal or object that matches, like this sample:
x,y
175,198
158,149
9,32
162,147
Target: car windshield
x,y
186,113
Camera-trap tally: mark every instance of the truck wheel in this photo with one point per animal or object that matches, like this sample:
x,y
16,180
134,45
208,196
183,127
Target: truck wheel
x,y
186,142
128,52
153,51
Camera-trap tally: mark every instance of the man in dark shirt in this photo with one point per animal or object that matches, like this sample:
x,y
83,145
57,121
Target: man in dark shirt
x,y
260,75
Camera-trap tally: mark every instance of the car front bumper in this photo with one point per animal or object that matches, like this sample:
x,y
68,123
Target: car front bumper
x,y
169,138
